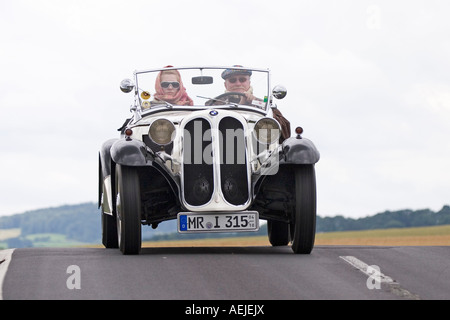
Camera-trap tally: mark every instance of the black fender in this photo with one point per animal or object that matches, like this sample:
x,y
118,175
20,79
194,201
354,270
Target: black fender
x,y
294,151
129,152
118,151
134,153
299,151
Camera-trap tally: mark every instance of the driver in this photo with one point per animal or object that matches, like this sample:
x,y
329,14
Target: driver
x,y
238,80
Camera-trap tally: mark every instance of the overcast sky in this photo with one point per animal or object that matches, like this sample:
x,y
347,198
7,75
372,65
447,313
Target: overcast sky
x,y
369,81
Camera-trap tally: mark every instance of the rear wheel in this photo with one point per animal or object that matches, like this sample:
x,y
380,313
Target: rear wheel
x,y
303,228
128,209
109,231
278,233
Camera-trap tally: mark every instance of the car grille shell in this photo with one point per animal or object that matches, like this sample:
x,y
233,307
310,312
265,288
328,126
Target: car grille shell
x,y
215,171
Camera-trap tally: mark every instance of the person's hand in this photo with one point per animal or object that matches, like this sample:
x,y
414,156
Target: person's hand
x,y
249,97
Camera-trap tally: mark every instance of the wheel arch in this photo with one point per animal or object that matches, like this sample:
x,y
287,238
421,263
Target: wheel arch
x,y
299,151
129,152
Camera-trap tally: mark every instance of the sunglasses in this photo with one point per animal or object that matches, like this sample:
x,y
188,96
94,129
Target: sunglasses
x,y
174,84
241,80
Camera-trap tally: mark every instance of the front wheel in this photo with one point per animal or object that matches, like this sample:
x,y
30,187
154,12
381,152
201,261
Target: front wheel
x,y
303,228
128,209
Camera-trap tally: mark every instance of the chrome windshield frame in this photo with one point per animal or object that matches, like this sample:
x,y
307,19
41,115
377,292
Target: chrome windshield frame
x,y
251,108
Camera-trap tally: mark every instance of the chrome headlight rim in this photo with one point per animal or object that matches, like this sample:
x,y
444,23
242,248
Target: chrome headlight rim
x,y
162,131
274,127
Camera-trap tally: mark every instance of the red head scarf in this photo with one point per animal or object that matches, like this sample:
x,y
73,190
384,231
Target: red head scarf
x,y
181,98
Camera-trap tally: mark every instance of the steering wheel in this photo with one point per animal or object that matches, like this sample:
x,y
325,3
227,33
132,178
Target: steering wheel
x,y
231,96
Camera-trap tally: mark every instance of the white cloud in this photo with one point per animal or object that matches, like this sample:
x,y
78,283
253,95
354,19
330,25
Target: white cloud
x,y
435,97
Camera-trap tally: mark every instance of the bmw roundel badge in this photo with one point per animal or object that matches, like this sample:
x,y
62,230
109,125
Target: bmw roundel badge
x,y
214,112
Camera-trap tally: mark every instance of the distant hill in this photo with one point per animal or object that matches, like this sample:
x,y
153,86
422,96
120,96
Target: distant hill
x,y
81,223
77,222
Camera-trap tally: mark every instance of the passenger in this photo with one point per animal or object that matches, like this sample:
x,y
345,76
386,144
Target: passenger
x,y
169,87
238,80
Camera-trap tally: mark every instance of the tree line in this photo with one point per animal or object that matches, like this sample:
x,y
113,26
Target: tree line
x,y
386,220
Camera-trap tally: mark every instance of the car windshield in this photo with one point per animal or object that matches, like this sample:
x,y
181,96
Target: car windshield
x,y
205,86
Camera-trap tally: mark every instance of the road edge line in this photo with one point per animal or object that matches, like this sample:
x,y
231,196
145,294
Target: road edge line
x,y
5,259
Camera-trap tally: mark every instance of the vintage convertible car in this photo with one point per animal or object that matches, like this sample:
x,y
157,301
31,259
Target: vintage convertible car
x,y
207,156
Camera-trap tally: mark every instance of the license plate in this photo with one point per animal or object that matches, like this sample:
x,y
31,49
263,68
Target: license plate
x,y
218,222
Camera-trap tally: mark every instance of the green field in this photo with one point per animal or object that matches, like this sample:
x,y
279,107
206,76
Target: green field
x,y
52,240
38,240
420,236
9,233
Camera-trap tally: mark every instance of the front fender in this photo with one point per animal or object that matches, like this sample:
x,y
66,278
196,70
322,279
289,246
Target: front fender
x,y
299,151
105,158
134,153
129,153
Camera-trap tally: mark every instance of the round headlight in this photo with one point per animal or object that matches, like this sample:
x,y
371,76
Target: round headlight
x,y
161,131
267,131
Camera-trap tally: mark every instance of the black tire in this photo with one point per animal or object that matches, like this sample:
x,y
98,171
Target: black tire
x,y
303,228
128,209
109,231
278,233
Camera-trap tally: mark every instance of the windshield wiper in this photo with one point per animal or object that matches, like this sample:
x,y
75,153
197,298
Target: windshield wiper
x,y
168,105
159,103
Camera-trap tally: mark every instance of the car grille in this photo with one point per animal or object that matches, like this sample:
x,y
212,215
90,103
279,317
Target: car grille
x,y
233,167
198,166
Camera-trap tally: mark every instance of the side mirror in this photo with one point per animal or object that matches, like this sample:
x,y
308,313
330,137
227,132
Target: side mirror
x,y
202,80
127,85
279,92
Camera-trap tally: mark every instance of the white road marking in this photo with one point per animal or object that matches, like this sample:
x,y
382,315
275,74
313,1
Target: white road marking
x,y
366,269
374,273
5,259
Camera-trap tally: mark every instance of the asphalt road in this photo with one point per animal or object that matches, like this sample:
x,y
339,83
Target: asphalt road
x,y
229,273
